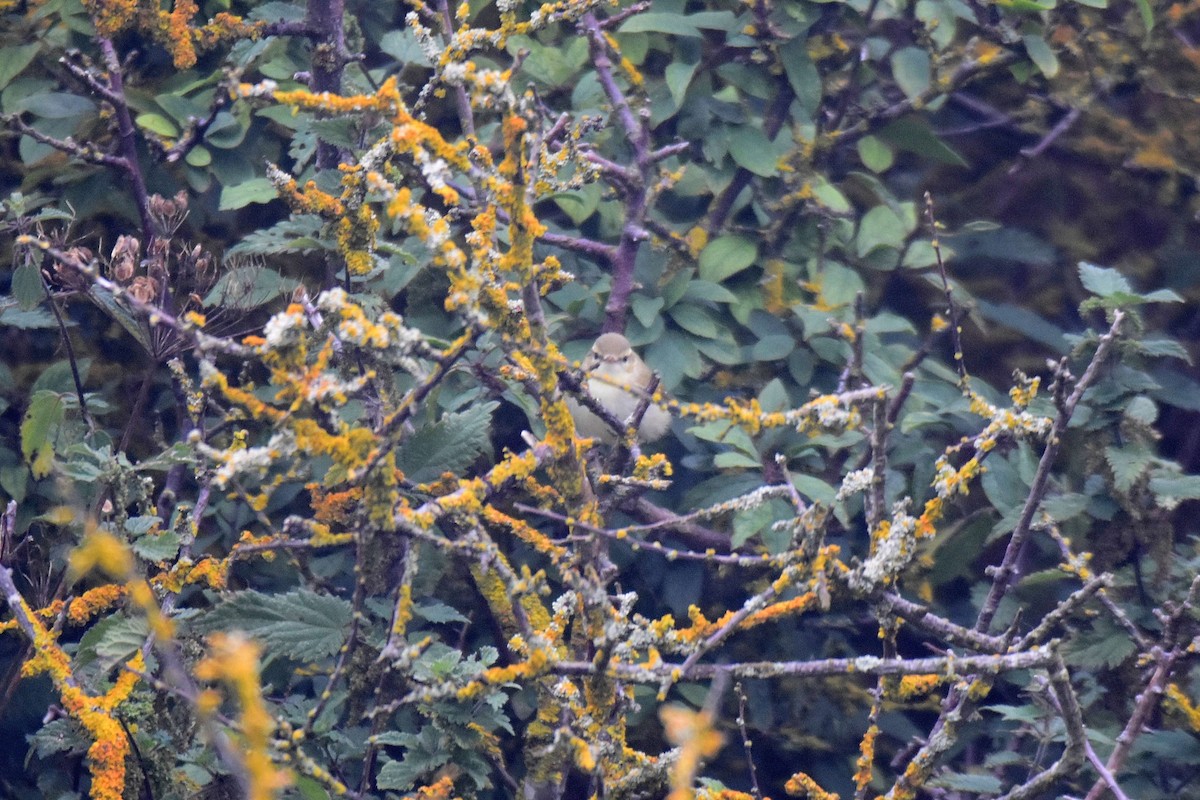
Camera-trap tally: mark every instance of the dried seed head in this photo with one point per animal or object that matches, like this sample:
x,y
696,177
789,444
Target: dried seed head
x,y
124,259
144,289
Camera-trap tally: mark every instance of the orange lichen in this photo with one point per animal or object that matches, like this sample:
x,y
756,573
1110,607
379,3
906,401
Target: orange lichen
x,y
94,601
234,660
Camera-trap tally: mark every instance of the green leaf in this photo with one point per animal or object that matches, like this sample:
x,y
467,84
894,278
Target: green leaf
x,y
875,154
752,150
678,77
244,288
734,460
448,445
802,73
968,783
157,123
27,286
1040,54
37,431
695,320
911,69
772,348
646,309
1147,14
299,233
579,204
707,291
58,377
300,625
1127,464
56,105
227,130
198,157
255,190
1103,647
726,256
402,45
157,547
32,319
1103,281
112,639
913,134
1179,487
880,227
133,324
814,489
14,60
659,22
829,196
433,611
1142,409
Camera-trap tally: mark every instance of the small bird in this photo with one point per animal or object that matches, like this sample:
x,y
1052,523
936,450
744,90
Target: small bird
x,y
617,377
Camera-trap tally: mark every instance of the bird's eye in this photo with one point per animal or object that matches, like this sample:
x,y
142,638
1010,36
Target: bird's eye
x,y
625,359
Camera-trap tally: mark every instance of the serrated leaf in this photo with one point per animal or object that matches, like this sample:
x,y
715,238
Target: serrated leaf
x,y
968,782
133,325
1103,281
1180,487
1102,648
1024,714
1065,506
27,286
301,624
33,319
402,45
244,288
1127,464
300,233
37,431
434,611
156,547
448,445
726,256
1142,409
114,638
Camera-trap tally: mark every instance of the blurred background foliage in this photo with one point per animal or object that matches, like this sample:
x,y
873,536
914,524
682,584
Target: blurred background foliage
x,y
777,245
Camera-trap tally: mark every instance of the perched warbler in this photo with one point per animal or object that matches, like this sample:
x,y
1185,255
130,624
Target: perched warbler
x,y
617,378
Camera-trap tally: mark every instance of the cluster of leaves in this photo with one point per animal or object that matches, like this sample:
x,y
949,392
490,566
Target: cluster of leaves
x,y
311,518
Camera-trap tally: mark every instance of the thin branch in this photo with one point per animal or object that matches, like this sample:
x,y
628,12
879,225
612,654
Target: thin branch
x,y
1037,490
